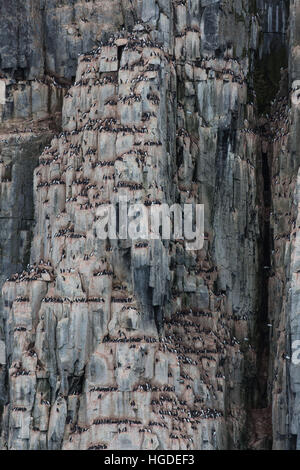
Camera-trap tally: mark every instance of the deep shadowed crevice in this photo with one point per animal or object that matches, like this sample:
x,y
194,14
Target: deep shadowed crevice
x,y
120,52
263,340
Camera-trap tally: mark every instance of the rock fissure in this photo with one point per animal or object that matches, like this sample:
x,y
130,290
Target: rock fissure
x,y
120,344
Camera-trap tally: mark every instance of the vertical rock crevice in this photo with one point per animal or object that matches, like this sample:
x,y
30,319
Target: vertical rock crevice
x,y
121,344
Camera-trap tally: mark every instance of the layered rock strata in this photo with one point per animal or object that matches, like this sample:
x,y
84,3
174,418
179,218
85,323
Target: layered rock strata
x,y
126,344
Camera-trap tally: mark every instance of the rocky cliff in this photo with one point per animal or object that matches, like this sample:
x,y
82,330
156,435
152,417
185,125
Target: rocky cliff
x,y
123,344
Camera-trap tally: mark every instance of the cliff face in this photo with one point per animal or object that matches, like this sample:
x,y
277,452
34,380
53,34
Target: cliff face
x,y
119,344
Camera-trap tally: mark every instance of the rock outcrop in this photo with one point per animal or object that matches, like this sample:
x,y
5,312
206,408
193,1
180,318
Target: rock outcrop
x,y
127,344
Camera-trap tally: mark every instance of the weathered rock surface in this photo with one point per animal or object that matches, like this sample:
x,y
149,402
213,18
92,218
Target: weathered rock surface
x,y
118,344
